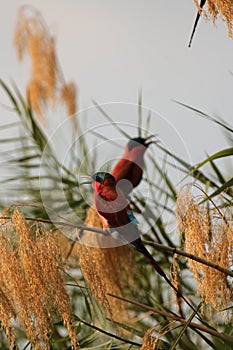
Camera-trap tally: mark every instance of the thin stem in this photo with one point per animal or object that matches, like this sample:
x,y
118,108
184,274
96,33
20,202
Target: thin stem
x,y
216,207
146,219
108,334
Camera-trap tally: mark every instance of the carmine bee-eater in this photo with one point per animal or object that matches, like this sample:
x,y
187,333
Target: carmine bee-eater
x,y
129,168
111,204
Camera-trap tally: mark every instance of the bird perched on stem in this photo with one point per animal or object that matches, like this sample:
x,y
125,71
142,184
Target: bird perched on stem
x,y
111,204
129,169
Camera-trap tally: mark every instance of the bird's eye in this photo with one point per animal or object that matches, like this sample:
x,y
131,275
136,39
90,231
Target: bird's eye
x,y
99,179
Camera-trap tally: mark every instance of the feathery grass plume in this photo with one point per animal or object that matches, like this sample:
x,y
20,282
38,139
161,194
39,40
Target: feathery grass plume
x,y
151,342
174,273
223,8
106,270
68,96
7,314
67,248
46,84
207,236
32,282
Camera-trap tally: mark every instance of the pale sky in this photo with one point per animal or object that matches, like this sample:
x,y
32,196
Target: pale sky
x,y
114,48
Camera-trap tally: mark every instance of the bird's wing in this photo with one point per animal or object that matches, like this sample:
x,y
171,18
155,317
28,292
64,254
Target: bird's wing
x,y
126,169
118,215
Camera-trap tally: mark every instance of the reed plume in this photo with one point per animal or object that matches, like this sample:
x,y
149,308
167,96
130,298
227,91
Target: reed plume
x,y
105,270
208,235
215,8
32,283
46,85
151,342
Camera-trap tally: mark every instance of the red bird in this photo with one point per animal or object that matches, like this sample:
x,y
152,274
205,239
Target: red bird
x,y
129,169
111,204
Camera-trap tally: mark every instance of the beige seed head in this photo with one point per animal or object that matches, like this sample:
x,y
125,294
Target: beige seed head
x,y
207,236
223,8
32,282
106,270
46,86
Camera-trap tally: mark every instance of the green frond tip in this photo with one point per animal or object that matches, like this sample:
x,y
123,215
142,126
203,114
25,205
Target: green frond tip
x,y
11,96
222,123
148,120
140,113
226,186
221,154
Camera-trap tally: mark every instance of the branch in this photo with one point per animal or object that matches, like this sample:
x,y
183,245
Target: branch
x,y
176,318
61,223
152,244
190,256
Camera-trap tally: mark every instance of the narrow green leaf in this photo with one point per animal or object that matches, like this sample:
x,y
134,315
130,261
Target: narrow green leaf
x,y
11,96
217,172
221,154
10,125
164,177
222,188
102,137
128,328
115,124
206,116
25,159
184,328
14,139
140,113
148,119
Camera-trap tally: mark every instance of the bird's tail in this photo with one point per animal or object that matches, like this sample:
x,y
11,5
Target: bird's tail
x,y
142,249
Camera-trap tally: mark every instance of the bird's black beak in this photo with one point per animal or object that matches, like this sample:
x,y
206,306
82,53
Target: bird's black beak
x,y
150,139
